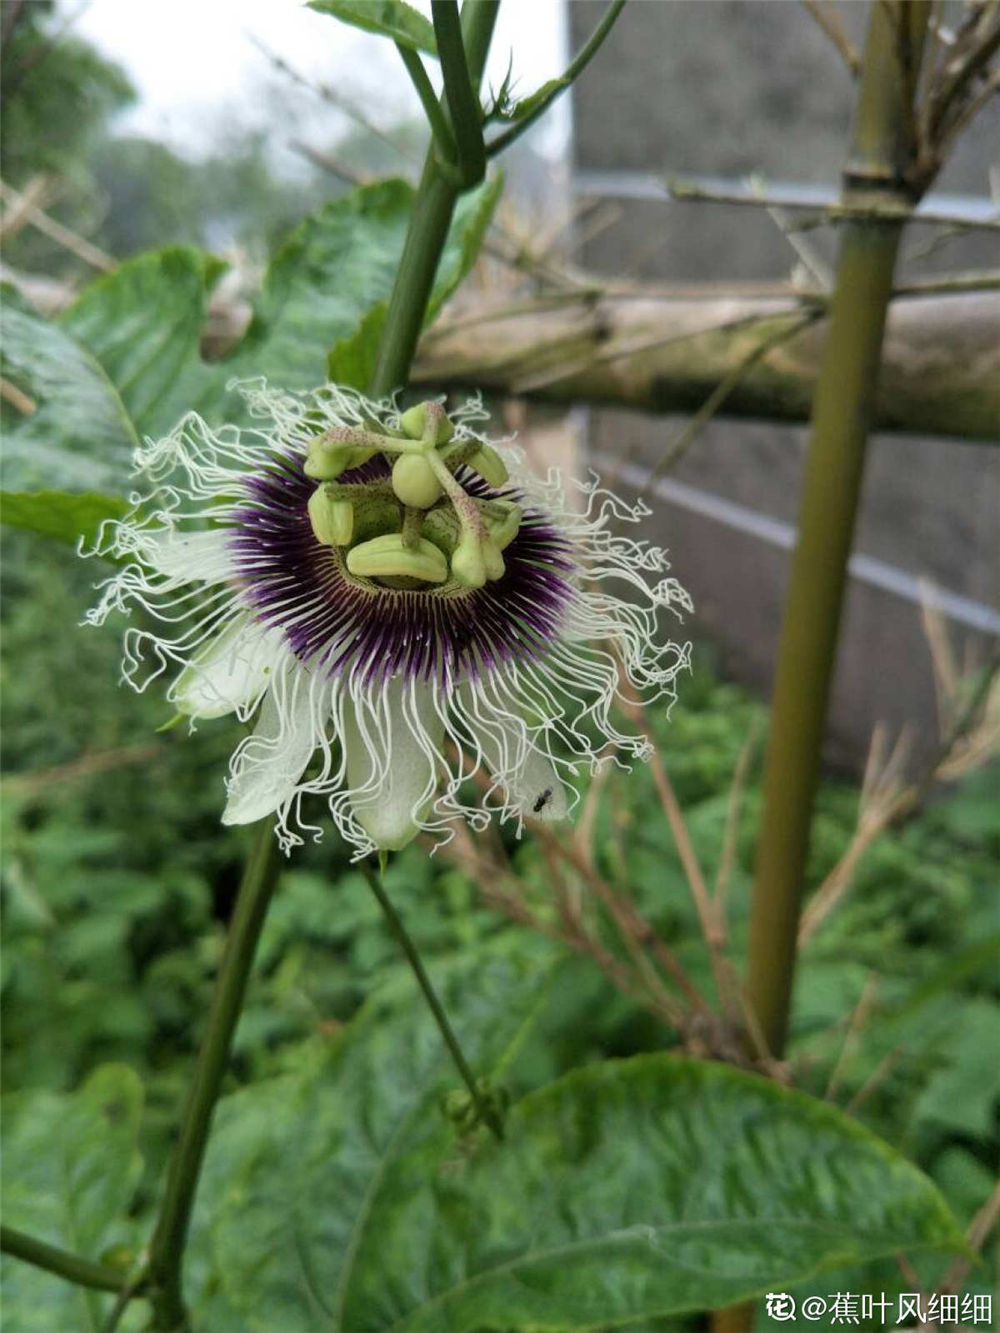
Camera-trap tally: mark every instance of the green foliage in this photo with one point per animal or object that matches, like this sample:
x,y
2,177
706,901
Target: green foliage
x,y
62,515
633,1188
388,18
69,1166
79,436
58,94
124,361
334,1180
143,324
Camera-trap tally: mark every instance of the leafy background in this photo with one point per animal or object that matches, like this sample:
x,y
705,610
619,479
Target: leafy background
x,y
337,1193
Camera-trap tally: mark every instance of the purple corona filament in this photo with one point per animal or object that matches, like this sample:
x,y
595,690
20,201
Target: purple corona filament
x,y
329,616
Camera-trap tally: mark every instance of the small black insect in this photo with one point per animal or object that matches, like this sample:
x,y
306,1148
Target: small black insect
x,y
542,801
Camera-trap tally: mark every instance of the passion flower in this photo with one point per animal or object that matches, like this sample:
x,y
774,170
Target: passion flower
x,y
396,605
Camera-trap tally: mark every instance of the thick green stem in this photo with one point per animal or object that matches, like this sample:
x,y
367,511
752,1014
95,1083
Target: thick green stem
x,y
464,110
428,230
167,1246
69,1266
842,415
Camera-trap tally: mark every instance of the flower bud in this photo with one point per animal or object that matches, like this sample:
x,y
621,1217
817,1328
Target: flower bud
x,y
414,481
388,557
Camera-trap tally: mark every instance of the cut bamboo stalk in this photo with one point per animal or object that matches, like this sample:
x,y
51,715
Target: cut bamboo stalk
x,y
843,413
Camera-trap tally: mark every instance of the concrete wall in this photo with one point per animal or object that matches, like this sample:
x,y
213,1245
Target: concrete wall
x,y
729,87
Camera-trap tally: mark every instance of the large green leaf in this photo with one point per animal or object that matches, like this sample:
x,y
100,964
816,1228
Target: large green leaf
x,y
647,1187
143,322
388,18
325,285
63,515
297,1166
634,1189
79,436
70,1163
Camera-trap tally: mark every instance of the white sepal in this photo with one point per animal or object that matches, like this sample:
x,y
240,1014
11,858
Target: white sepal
x,y
230,671
268,765
202,557
392,742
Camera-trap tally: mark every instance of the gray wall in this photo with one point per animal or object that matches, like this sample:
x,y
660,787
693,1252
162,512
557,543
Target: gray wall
x,y
729,87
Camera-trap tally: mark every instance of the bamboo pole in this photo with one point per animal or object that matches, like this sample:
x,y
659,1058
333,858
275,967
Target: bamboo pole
x,y
842,417
668,352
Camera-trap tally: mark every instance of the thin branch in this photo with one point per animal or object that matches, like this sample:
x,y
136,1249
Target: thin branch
x,y
705,908
730,836
977,1235
17,398
877,1075
812,262
678,446
634,929
84,1273
834,211
334,98
859,1017
166,1250
558,86
969,112
329,164
828,18
438,121
55,231
486,1111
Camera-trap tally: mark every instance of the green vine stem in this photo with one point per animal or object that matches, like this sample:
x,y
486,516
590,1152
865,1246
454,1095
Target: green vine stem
x,y
486,1112
464,110
540,102
83,1272
428,230
166,1249
842,415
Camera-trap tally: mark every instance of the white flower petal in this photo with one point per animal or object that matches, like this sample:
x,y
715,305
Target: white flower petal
x,y
537,790
268,765
202,557
511,753
230,671
393,750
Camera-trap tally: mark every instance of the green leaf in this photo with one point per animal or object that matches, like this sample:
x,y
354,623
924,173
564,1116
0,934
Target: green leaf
x,y
627,1190
296,1166
63,515
79,436
143,323
527,106
141,326
351,361
333,268
388,18
70,1163
647,1187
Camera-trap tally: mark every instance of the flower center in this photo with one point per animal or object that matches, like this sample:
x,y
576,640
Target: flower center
x,y
420,527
